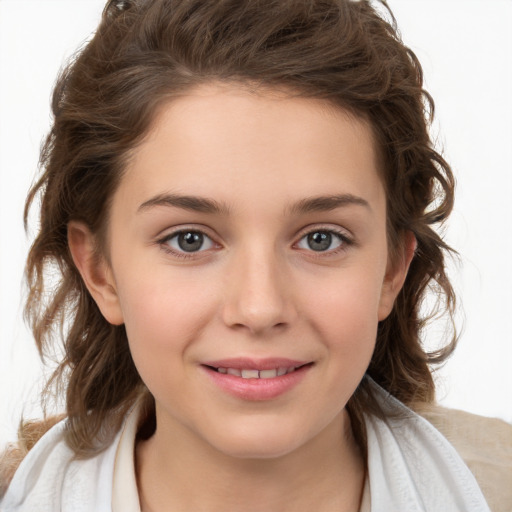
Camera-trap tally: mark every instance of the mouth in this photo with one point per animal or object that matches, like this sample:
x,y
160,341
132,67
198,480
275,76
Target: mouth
x,y
251,373
257,380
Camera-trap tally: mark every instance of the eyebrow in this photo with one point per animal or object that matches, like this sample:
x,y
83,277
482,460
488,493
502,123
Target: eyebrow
x,y
192,203
206,205
327,203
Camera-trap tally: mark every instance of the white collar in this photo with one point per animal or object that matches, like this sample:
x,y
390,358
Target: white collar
x,y
412,467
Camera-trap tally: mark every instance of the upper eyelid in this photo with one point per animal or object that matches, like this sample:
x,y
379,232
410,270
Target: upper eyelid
x,y
338,230
170,232
174,234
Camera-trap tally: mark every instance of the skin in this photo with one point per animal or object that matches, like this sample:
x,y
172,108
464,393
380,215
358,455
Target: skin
x,y
256,288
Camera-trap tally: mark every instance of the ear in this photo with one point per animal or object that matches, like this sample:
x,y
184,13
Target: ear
x,y
396,274
95,271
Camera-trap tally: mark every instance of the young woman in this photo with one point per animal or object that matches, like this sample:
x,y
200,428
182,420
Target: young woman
x,y
240,198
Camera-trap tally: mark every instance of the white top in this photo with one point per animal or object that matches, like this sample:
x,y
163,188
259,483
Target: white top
x,y
411,468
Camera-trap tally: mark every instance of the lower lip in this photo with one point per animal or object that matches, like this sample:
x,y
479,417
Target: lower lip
x,y
257,389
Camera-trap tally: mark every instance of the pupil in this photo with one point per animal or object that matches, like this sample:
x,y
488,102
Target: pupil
x,y
190,241
319,241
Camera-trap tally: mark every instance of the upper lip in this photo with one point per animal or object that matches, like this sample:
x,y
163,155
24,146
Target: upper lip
x,y
247,363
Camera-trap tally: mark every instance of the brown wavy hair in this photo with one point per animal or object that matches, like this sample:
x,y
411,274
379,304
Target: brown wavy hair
x,y
144,53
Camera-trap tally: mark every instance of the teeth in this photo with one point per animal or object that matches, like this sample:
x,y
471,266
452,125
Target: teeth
x,y
268,374
250,374
257,374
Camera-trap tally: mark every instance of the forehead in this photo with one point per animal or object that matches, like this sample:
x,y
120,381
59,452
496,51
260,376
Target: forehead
x,y
244,147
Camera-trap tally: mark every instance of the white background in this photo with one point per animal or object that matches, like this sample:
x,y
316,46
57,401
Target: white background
x,y
466,49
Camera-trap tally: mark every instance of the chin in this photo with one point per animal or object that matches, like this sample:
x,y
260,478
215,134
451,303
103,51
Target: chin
x,y
257,442
259,450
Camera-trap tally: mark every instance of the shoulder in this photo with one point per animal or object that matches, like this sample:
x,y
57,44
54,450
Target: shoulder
x,y
13,454
412,466
51,478
485,445
43,462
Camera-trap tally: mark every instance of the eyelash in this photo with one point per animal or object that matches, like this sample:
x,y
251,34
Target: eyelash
x,y
344,239
164,243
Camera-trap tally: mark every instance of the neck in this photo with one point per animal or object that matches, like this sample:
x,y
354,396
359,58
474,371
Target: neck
x,y
176,471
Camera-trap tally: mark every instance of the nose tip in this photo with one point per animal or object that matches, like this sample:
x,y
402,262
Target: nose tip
x,y
258,315
258,300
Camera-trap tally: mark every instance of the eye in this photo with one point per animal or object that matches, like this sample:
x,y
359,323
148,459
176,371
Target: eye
x,y
188,241
322,240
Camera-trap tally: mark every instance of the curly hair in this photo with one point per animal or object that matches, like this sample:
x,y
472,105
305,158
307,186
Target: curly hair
x,y
144,53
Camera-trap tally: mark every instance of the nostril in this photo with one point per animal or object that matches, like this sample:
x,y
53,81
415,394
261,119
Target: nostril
x,y
258,303
259,328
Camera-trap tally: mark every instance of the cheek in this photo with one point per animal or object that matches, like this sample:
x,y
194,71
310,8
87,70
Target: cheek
x,y
349,300
162,314
345,313
343,317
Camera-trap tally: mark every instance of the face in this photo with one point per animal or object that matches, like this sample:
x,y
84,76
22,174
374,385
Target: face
x,y
248,262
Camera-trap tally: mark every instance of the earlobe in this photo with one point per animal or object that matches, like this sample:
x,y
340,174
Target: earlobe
x,y
395,275
95,271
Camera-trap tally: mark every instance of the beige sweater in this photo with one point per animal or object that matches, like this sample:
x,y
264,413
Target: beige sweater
x,y
485,444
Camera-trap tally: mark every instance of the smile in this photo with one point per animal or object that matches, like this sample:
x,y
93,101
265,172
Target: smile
x,y
257,374
256,380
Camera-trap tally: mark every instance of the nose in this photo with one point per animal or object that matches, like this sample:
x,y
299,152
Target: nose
x,y
258,294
